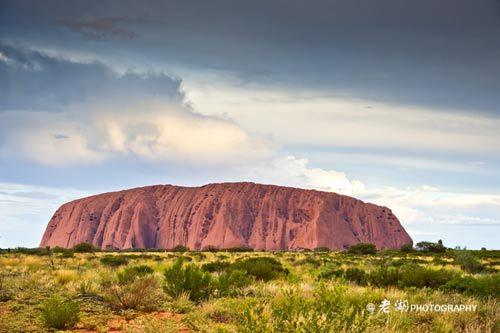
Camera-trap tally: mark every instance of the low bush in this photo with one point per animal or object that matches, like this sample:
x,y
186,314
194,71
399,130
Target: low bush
x,y
355,275
38,251
66,255
239,249
59,313
415,276
487,285
216,266
321,249
420,277
210,248
231,282
330,271
188,279
406,248
142,293
63,252
84,248
114,261
362,248
409,276
129,274
179,248
261,268
468,262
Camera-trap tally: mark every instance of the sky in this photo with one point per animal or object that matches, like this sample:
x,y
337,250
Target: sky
x,y
393,102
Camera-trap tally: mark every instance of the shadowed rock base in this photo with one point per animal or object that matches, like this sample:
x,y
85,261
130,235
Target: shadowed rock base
x,y
223,215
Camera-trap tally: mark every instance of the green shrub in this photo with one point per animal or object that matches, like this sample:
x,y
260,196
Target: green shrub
x,y
322,249
355,275
420,277
384,276
239,249
231,282
129,274
63,253
38,251
362,248
486,285
468,262
114,261
189,279
216,266
210,248
67,255
180,248
59,313
261,268
84,248
330,271
409,276
406,248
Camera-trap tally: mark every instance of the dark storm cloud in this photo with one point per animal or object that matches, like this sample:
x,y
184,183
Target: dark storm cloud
x,y
433,53
32,80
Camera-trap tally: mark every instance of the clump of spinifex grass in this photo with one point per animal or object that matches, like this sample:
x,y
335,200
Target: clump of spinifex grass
x,y
60,313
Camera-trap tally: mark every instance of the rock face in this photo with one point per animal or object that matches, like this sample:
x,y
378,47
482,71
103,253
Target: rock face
x,y
224,215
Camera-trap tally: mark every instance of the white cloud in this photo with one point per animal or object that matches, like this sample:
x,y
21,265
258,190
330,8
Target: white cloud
x,y
47,138
309,118
168,132
150,131
317,178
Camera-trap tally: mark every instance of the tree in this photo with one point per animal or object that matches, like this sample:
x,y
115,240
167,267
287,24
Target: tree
x,y
431,247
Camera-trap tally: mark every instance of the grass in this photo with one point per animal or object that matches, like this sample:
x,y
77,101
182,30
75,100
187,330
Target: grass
x,y
60,313
232,291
